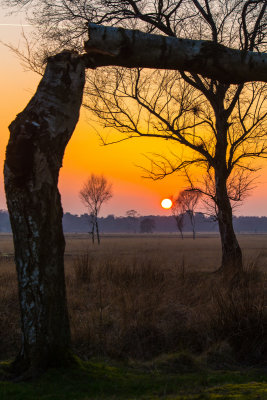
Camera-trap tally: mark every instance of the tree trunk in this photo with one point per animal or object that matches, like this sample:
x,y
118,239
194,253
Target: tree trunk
x,y
93,228
38,137
93,233
132,48
194,232
180,225
193,223
231,264
97,230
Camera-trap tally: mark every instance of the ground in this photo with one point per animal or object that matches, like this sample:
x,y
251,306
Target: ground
x,y
150,320
102,380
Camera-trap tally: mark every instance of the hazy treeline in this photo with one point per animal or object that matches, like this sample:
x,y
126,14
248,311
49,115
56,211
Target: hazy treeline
x,y
113,224
4,221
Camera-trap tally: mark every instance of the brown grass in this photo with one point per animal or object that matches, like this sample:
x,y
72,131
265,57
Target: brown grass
x,y
139,297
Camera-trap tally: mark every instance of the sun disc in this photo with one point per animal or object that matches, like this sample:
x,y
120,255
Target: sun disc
x,y
166,203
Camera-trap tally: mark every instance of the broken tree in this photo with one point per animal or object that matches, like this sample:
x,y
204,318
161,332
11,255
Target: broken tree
x,y
38,138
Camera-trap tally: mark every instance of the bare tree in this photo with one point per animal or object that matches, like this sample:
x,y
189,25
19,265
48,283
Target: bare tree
x,y
189,200
178,213
94,193
224,127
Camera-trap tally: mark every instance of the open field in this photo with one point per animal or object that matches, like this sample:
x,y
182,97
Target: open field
x,y
153,303
142,295
201,254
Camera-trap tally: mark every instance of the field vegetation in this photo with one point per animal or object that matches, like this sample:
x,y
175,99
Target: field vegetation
x,y
156,304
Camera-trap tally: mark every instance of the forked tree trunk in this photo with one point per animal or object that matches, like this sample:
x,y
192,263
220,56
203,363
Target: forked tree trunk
x,y
34,156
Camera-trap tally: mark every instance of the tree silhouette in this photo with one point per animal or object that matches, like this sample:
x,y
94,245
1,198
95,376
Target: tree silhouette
x,y
178,213
94,193
189,200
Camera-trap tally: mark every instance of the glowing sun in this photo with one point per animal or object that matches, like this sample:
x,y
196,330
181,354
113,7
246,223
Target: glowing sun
x,y
166,203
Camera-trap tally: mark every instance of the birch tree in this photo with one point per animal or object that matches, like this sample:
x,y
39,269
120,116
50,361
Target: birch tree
x,y
34,154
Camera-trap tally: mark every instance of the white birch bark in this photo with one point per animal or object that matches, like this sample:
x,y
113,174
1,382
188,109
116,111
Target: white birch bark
x,y
132,48
38,137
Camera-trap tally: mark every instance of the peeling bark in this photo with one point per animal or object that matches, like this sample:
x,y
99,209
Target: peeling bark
x,y
132,48
38,137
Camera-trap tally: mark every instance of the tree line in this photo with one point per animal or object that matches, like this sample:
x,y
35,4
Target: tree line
x,y
73,223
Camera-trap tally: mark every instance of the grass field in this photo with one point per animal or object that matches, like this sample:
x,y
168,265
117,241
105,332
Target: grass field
x,y
202,253
152,304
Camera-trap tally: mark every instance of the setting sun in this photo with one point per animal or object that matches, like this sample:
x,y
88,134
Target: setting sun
x,y
166,203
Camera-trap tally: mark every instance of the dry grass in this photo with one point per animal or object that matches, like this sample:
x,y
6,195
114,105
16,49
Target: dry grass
x,y
139,297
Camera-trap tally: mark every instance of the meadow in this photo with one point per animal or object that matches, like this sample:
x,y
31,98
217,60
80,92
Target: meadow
x,y
155,303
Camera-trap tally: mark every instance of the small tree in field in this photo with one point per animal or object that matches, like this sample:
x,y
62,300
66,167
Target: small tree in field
x,y
185,204
189,200
94,193
178,213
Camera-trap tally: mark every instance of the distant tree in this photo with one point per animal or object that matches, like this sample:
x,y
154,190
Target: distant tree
x,y
147,225
94,193
189,199
178,213
132,216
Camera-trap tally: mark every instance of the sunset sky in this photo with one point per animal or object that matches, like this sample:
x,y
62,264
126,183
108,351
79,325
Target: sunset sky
x,y
85,155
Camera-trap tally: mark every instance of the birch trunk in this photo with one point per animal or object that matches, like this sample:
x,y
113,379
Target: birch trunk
x,y
38,137
132,48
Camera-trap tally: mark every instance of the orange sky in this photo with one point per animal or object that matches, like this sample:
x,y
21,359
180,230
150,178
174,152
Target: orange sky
x,y
85,155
